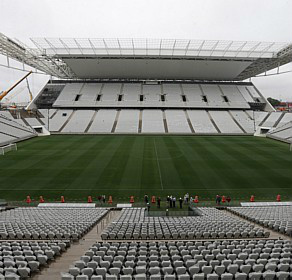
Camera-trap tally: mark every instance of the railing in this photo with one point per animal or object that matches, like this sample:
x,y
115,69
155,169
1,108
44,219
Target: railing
x,y
190,212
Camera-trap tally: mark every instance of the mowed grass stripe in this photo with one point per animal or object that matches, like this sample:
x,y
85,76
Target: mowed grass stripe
x,y
114,171
189,177
33,160
241,169
200,158
83,165
265,167
149,179
168,158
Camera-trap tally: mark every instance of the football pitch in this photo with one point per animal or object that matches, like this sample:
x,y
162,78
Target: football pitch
x,y
80,165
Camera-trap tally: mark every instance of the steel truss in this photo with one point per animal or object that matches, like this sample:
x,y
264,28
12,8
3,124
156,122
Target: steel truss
x,y
51,53
34,58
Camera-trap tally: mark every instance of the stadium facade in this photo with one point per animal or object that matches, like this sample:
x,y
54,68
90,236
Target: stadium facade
x,y
150,86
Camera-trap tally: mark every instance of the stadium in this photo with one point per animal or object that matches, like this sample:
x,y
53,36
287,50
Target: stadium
x,y
145,159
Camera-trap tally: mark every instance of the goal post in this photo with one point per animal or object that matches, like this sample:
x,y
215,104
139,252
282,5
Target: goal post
x,y
8,148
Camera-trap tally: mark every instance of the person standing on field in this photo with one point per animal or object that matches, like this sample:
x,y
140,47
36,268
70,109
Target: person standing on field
x,y
158,202
173,201
217,199
148,206
180,202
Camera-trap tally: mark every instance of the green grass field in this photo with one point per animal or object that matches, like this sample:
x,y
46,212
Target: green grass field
x,y
78,166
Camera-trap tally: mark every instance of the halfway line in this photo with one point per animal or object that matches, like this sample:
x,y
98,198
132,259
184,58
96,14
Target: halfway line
x,y
158,165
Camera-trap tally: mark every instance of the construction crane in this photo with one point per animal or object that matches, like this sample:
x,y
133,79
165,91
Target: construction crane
x,y
4,93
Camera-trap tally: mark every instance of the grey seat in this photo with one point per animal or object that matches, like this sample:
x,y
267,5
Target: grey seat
x,y
258,267
141,276
283,275
195,269
199,276
190,263
34,265
82,277
167,270
118,264
240,276
80,264
177,263
140,269
24,272
169,277
111,277
114,271
87,271
269,275
232,268
42,259
128,270
184,277
92,264
207,269
153,263
226,276
283,267
130,261
11,276
97,277
219,269
245,268
101,271
154,270
74,271
180,270
105,264
65,276
212,276
155,277
255,275
271,266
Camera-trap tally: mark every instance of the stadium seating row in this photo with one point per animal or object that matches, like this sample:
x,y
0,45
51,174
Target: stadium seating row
x,y
213,260
283,133
147,121
151,121
134,224
13,130
18,260
161,121
48,223
162,95
274,217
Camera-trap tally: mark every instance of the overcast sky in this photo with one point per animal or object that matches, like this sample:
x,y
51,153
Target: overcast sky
x,y
251,20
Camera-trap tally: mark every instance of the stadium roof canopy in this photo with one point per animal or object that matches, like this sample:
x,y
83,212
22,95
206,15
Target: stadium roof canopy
x,y
91,58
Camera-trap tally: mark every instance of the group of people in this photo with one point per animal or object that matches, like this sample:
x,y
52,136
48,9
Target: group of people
x,y
171,201
222,199
101,198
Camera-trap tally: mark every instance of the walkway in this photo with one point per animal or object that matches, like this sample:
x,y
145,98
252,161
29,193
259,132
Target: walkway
x,y
62,263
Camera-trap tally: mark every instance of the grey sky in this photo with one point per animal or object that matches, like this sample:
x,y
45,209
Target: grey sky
x,y
252,20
